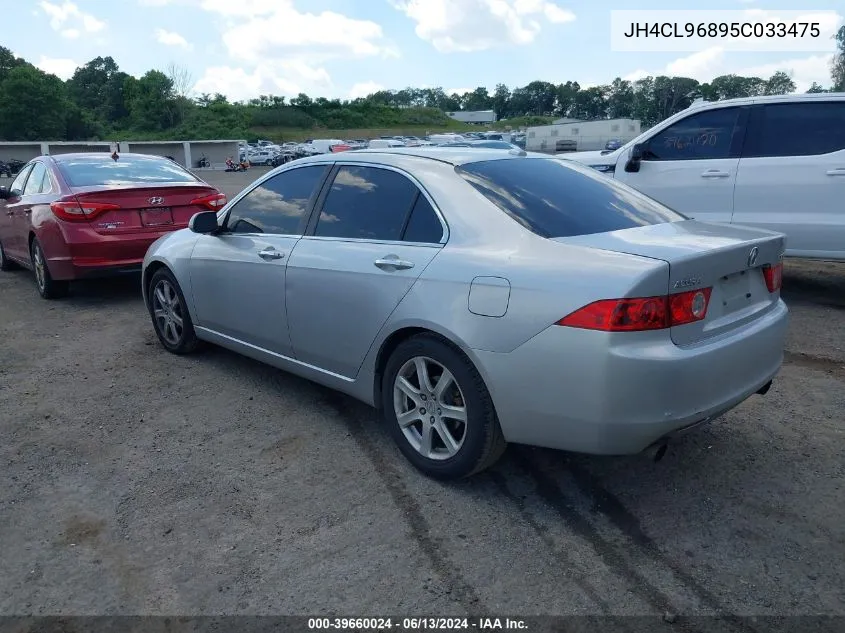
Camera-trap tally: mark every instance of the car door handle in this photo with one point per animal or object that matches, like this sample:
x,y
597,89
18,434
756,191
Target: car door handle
x,y
393,263
839,171
715,173
270,253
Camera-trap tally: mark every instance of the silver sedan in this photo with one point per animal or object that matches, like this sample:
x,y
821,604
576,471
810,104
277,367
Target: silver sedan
x,y
478,297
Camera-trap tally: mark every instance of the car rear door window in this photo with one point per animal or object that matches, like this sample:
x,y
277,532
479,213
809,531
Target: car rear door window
x,y
18,183
279,205
35,182
557,198
797,129
423,226
366,203
705,135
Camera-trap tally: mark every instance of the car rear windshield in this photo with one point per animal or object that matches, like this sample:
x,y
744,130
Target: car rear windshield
x,y
554,198
97,170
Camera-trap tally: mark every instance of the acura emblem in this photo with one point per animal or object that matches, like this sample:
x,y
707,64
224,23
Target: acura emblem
x,y
752,256
159,200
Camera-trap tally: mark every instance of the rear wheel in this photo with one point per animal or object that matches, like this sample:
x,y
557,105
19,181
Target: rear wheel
x,y
48,287
169,313
5,262
439,410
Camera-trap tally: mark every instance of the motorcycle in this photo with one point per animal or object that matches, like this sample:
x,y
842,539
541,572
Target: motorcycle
x,y
204,162
233,166
5,170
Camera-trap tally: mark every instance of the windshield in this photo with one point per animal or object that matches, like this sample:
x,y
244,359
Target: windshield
x,y
554,198
86,171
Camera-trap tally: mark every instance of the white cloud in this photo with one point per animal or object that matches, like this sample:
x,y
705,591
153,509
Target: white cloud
x,y
69,14
62,67
713,62
475,25
264,28
364,88
284,78
154,3
71,34
170,38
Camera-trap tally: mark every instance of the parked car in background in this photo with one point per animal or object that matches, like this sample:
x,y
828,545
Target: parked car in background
x,y
775,162
74,216
260,157
612,145
384,142
485,297
323,145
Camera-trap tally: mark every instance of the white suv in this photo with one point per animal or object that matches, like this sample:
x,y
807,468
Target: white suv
x,y
775,162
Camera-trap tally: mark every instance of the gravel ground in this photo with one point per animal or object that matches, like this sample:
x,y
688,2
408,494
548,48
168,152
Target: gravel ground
x,y
141,482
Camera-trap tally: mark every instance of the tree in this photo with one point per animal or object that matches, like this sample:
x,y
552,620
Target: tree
x,y
779,84
837,66
501,100
478,99
8,62
816,88
565,99
620,99
32,105
152,102
97,87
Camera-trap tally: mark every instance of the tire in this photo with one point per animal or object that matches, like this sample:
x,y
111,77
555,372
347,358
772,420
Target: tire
x,y
5,262
169,314
472,445
48,287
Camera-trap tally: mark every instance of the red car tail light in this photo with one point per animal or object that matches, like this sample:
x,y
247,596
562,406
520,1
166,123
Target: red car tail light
x,y
76,211
639,314
774,276
213,202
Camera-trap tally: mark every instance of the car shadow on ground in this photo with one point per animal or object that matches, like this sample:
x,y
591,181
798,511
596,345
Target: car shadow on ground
x,y
109,291
814,282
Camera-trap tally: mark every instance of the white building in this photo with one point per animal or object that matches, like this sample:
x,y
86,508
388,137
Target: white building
x,y
579,136
475,116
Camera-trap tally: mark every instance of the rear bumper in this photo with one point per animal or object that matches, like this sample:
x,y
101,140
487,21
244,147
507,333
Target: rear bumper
x,y
86,254
601,393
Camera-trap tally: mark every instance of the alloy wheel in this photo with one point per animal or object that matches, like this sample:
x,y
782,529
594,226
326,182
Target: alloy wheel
x,y
167,312
38,264
430,408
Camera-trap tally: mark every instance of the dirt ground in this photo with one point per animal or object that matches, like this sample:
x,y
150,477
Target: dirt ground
x,y
135,481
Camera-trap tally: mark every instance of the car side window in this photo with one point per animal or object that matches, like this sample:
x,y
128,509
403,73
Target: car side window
x,y
423,226
278,205
366,203
17,183
797,129
35,182
705,135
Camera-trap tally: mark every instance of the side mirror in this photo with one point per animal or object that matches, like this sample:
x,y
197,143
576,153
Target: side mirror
x,y
204,222
633,164
4,193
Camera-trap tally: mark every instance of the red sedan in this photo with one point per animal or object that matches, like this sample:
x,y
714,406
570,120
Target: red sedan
x,y
76,216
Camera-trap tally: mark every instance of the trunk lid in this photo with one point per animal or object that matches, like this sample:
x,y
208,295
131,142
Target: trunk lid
x,y
727,258
144,207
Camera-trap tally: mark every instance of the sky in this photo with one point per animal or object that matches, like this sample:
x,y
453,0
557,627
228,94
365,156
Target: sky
x,y
350,48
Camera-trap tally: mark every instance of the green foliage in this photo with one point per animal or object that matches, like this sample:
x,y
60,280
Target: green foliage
x,y
837,66
101,102
32,105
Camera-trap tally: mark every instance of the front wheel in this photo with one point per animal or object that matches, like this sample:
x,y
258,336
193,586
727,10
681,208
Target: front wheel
x,y
439,410
169,313
48,287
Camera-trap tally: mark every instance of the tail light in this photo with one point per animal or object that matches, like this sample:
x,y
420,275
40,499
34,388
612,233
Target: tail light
x,y
774,276
636,315
213,202
79,210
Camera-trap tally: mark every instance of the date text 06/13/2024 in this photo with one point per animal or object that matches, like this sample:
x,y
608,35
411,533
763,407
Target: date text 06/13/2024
x,y
416,624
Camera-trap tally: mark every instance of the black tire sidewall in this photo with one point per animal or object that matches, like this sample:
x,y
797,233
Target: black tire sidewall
x,y
187,341
52,289
479,417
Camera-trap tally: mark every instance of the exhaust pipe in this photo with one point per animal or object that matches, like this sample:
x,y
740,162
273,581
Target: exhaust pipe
x,y
765,388
657,451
